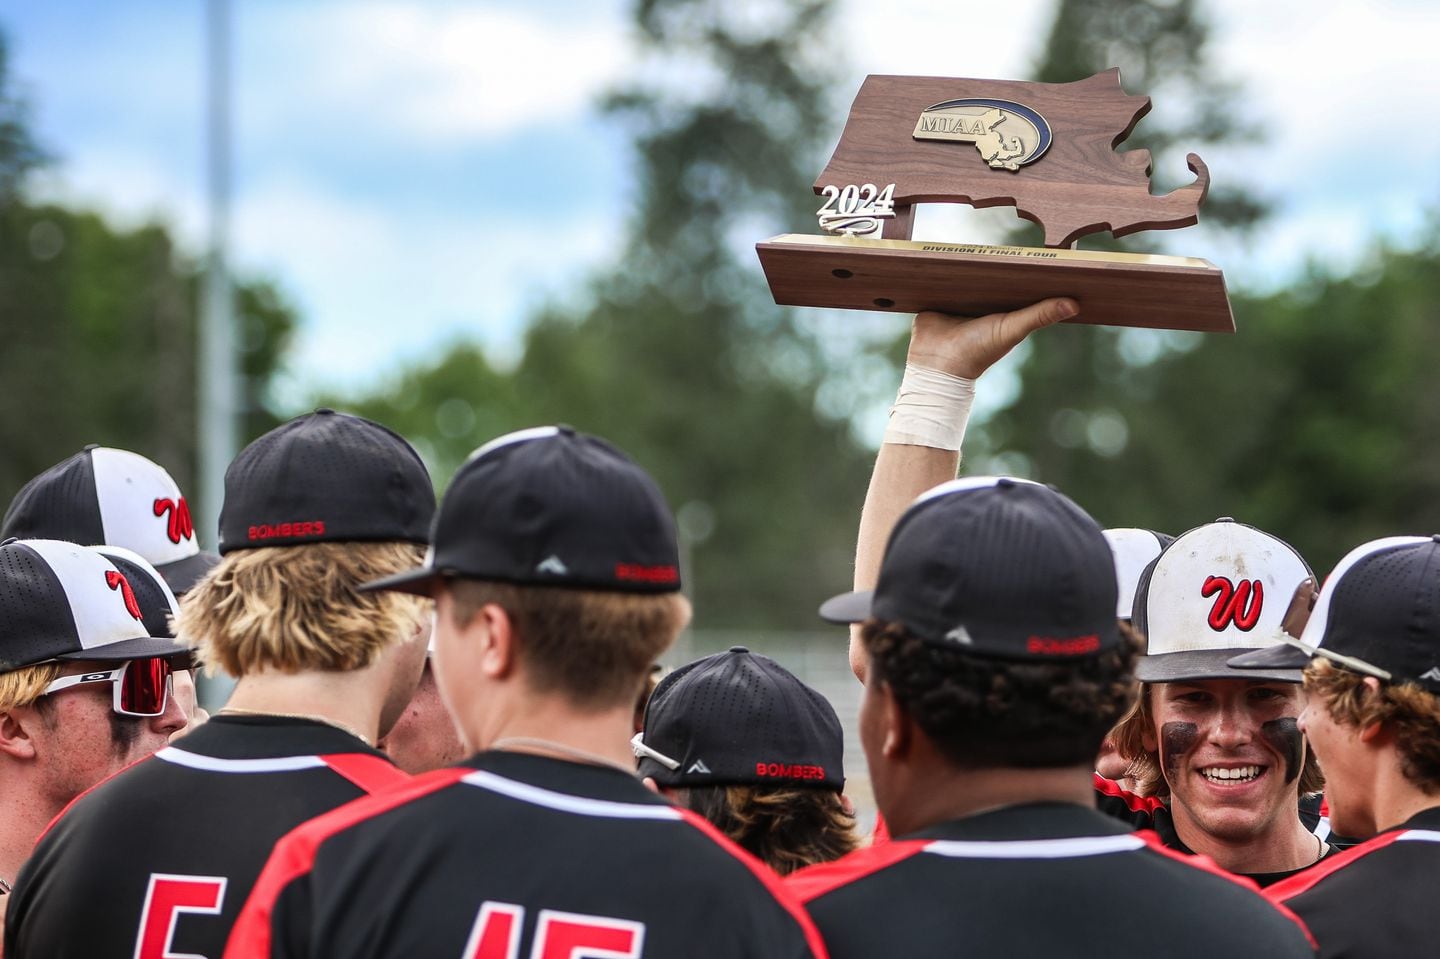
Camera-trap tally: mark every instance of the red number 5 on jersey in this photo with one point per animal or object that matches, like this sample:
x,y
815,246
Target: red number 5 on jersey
x,y
558,935
165,899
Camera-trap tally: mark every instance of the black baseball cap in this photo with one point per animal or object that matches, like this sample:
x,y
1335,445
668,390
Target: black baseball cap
x,y
1377,614
112,497
739,718
63,601
997,567
550,507
326,477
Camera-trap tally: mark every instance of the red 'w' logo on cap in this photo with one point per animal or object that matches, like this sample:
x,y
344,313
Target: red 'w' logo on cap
x,y
118,581
179,525
1240,605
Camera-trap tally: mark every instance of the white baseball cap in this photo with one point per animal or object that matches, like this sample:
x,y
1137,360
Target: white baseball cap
x,y
1215,592
1134,550
63,601
110,497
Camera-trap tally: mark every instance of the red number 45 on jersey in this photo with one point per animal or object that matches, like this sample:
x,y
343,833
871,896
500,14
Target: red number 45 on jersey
x,y
558,935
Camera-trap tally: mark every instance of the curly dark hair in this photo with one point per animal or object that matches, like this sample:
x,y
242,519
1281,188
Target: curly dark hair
x,y
982,712
784,827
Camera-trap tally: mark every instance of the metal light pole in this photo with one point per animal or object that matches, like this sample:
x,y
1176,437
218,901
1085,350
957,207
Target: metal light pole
x,y
217,377
217,373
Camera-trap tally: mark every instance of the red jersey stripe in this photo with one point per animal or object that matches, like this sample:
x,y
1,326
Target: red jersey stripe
x,y
778,887
1145,804
1287,888
294,856
1152,839
371,773
815,881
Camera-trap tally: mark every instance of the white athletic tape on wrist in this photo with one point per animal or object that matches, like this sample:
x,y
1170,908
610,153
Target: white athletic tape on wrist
x,y
931,409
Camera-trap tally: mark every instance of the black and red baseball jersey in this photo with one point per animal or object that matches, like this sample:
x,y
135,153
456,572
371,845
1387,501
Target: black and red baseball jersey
x,y
1151,812
1040,879
1375,899
515,855
156,862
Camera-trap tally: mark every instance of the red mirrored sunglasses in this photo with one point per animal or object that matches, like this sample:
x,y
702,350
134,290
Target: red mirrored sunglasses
x,y
140,687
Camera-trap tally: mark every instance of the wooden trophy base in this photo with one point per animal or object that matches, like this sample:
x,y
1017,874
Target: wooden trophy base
x,y
908,276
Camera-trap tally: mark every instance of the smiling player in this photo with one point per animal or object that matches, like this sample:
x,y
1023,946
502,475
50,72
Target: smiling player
x,y
1218,759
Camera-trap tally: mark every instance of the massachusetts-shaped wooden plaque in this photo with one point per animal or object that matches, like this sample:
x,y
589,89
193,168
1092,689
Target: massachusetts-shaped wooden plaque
x,y
1049,150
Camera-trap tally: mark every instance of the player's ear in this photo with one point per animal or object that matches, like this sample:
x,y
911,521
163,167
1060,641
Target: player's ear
x,y
899,732
1371,734
494,631
15,726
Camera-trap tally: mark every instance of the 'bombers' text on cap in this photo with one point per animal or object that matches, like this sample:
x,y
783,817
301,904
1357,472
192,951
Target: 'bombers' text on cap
x,y
739,718
995,566
550,507
326,477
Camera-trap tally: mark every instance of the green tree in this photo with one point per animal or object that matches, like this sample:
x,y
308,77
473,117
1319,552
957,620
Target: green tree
x,y
19,153
679,354
100,328
1070,422
1315,423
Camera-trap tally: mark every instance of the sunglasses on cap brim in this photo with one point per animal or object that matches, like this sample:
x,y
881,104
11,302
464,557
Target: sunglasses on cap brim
x,y
642,751
140,687
1339,659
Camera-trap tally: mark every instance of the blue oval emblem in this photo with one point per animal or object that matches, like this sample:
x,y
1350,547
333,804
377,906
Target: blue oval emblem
x,y
1007,134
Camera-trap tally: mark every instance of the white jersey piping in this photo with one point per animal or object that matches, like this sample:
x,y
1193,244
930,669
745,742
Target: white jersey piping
x,y
580,805
1036,848
277,764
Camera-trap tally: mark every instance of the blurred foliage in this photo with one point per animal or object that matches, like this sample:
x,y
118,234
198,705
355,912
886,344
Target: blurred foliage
x,y
100,330
678,354
100,327
1314,421
19,153
1162,49
1311,422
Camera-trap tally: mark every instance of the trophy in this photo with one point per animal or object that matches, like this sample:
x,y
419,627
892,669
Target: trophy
x,y
1048,149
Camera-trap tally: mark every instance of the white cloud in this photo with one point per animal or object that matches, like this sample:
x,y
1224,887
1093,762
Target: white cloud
x,y
442,74
940,38
379,286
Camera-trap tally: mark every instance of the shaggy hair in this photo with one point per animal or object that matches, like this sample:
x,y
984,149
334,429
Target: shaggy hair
x,y
295,608
787,828
595,646
1129,739
1411,713
23,686
988,713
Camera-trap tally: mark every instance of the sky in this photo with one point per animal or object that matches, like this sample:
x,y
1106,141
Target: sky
x,y
412,173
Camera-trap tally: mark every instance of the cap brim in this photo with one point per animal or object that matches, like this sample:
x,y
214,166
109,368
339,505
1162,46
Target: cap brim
x,y
848,607
1283,656
182,575
144,647
1206,664
417,582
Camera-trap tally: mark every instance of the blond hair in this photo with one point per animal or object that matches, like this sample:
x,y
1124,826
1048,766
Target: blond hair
x,y
595,646
1411,713
1129,739
295,608
23,686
